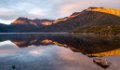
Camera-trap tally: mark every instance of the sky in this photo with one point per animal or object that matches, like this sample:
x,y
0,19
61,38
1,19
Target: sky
x,y
48,9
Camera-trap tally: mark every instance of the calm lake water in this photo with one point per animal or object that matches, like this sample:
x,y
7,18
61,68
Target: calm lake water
x,y
57,51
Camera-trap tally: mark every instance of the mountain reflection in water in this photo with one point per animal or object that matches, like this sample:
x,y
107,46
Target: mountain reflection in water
x,y
56,51
86,44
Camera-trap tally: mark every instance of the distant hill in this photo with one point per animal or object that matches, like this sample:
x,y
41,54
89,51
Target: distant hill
x,y
35,22
23,24
4,28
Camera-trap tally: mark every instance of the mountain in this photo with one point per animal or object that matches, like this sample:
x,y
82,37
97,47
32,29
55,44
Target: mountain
x,y
63,24
41,25
90,20
23,24
35,22
98,20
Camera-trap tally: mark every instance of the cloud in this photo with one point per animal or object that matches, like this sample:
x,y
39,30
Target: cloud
x,y
37,12
11,9
6,21
8,14
68,7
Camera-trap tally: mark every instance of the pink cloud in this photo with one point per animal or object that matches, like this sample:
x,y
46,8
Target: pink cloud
x,y
68,7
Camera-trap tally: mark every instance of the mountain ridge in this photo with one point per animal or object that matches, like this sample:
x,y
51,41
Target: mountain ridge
x,y
92,17
23,20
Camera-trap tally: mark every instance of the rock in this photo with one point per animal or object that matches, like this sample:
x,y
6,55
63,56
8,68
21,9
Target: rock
x,y
13,67
102,62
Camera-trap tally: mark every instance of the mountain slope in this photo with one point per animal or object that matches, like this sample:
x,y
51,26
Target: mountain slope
x,y
93,19
102,20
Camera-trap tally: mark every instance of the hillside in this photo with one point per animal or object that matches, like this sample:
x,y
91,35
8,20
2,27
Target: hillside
x,y
103,20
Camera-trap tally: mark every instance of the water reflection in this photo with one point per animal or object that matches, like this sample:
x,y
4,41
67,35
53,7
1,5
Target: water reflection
x,y
56,52
50,57
88,45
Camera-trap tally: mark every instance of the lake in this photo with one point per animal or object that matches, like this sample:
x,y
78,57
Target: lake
x,y
58,51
